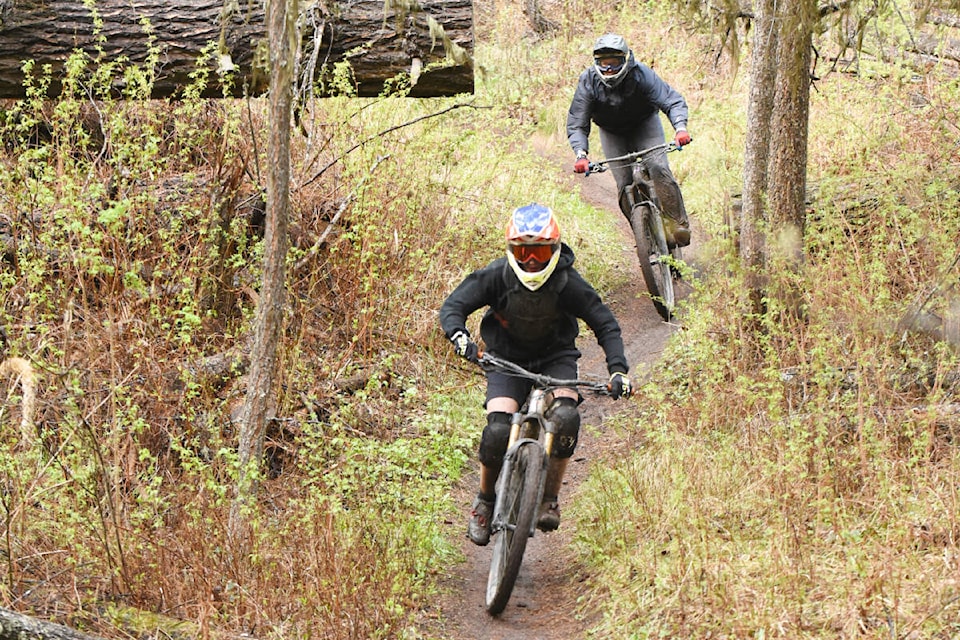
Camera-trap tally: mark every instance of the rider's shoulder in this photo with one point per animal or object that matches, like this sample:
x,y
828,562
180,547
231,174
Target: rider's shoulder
x,y
494,266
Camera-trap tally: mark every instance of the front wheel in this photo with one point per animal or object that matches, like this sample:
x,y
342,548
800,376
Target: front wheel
x,y
652,251
519,490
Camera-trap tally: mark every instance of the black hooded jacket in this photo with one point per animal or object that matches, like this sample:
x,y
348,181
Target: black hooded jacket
x,y
619,110
532,327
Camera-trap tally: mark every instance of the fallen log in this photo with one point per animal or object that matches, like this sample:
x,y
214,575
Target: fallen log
x,y
16,626
429,43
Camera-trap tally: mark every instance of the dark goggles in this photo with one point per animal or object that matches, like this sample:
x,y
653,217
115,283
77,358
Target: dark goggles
x,y
537,252
610,65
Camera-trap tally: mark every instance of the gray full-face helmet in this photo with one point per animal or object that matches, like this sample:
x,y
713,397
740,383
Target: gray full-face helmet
x,y
610,56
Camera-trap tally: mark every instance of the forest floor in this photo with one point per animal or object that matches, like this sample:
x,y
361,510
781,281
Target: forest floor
x,y
543,605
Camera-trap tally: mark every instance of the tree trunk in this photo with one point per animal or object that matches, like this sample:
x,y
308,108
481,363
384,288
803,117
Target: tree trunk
x,y
788,153
787,182
430,42
753,216
773,213
281,25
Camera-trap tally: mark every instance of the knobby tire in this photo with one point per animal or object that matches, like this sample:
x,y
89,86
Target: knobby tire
x,y
520,508
651,242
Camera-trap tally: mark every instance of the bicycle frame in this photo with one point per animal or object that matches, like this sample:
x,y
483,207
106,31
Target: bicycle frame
x,y
526,427
520,484
641,185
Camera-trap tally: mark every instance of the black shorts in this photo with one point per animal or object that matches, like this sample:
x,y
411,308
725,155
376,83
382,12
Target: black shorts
x,y
501,384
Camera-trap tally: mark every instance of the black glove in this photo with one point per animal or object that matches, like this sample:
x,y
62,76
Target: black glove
x,y
620,385
464,346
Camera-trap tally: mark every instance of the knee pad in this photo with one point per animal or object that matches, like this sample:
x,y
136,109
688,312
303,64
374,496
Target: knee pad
x,y
563,412
493,441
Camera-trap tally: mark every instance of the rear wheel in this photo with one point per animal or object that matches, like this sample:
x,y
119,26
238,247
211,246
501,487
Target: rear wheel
x,y
519,509
651,249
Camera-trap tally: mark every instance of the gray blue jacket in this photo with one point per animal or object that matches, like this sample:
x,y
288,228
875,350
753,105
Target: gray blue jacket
x,y
619,110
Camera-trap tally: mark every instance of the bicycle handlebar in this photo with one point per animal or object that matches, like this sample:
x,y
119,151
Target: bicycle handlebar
x,y
602,165
488,361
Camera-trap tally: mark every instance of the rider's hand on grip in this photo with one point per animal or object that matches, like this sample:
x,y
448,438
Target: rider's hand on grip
x,y
465,347
582,165
620,386
682,138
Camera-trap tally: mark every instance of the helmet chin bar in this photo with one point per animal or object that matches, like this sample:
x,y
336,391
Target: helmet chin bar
x,y
533,280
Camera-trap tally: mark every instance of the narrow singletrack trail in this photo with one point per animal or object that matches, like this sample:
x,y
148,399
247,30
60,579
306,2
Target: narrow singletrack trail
x,y
543,605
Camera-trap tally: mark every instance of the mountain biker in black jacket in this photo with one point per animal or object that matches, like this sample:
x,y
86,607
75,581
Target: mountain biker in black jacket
x,y
534,298
624,99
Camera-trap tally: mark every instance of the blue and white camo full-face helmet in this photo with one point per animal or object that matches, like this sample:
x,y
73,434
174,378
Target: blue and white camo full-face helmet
x,y
610,55
533,244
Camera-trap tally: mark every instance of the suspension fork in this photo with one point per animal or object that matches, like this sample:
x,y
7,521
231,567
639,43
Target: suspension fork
x,y
521,437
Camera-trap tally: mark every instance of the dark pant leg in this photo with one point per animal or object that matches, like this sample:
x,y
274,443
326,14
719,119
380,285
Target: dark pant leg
x,y
648,134
671,200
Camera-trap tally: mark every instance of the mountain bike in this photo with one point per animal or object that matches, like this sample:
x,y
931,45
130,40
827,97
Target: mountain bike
x,y
659,256
521,480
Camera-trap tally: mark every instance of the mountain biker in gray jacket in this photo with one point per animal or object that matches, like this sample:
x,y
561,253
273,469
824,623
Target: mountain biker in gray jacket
x,y
624,99
534,298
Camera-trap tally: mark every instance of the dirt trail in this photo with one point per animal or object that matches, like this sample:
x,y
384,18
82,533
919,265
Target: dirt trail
x,y
543,605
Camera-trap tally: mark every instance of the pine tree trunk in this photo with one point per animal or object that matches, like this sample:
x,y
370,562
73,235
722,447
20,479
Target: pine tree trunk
x,y
788,154
787,182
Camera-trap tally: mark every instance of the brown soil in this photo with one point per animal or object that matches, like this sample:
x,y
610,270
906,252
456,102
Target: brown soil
x,y
544,604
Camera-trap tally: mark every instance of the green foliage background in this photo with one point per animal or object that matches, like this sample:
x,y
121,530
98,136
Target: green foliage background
x,y
798,483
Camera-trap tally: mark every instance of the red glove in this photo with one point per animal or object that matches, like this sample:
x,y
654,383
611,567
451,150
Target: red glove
x,y
682,138
582,165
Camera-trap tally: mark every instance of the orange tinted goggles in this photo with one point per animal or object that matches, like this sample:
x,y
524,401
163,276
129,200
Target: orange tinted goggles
x,y
527,252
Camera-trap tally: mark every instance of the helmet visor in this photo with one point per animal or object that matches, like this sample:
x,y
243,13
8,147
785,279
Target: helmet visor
x,y
525,253
610,65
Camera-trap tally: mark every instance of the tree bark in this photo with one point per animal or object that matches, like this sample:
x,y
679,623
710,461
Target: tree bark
x,y
431,43
281,19
773,213
788,153
787,182
753,215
